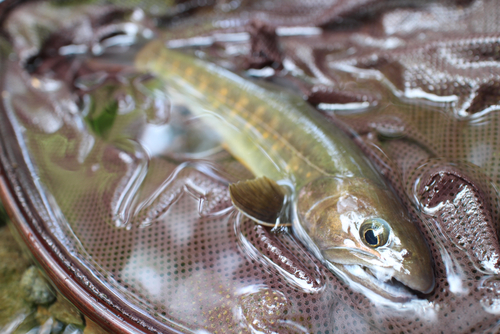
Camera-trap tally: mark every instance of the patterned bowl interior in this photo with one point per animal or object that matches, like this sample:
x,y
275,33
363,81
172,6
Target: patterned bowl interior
x,y
132,191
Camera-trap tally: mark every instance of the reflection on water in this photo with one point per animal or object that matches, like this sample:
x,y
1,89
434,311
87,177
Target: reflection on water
x,y
135,187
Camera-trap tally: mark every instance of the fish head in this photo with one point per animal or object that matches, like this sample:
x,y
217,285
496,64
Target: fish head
x,y
359,226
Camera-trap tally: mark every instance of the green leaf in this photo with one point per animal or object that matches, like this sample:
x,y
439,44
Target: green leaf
x,y
103,123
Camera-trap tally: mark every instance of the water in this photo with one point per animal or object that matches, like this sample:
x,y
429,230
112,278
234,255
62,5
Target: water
x,y
133,186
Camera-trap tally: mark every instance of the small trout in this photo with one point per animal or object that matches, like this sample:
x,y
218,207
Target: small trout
x,y
341,208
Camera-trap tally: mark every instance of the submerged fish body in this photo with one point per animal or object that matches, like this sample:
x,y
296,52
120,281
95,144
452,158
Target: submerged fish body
x,y
343,211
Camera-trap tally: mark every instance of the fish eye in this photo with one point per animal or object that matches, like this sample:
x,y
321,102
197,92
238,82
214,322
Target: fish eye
x,y
374,232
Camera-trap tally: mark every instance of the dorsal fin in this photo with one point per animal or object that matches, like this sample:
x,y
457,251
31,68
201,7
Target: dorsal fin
x,y
260,199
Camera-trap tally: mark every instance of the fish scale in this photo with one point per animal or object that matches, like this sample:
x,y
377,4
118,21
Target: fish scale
x,y
282,142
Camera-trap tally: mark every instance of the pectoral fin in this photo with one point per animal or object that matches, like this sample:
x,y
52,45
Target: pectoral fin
x,y
260,199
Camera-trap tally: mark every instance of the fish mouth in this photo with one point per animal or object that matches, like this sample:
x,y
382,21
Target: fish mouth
x,y
374,285
395,281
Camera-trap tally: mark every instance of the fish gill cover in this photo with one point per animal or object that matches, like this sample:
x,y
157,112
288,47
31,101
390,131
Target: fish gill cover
x,y
131,189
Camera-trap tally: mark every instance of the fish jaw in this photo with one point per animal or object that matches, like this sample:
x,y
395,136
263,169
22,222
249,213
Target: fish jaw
x,y
416,270
331,213
361,279
414,273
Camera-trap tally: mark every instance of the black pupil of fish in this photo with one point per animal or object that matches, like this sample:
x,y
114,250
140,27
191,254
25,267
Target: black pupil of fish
x,y
371,238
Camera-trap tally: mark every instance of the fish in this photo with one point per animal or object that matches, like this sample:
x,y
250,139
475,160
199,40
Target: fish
x,y
307,172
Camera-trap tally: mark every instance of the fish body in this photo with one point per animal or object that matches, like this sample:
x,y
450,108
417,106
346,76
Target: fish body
x,y
343,211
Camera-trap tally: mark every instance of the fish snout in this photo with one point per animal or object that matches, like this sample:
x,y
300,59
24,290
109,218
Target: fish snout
x,y
416,273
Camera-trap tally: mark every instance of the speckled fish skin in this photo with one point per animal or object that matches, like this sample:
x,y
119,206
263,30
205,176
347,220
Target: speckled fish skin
x,y
335,188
